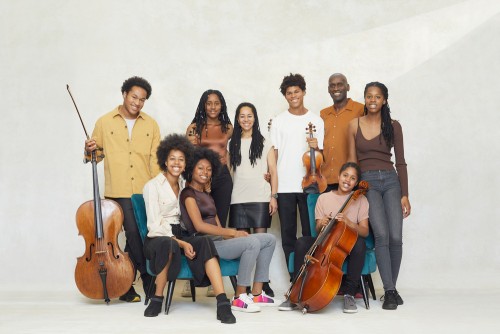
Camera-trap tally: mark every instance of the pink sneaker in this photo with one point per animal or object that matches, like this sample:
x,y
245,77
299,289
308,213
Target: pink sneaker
x,y
244,304
264,300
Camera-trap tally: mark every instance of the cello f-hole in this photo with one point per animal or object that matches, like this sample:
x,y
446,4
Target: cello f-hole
x,y
88,259
110,244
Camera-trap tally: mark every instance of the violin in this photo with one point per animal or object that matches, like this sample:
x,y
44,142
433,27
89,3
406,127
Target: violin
x,y
104,271
319,278
313,182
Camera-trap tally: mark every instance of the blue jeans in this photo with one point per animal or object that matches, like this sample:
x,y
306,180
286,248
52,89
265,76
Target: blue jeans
x,y
386,221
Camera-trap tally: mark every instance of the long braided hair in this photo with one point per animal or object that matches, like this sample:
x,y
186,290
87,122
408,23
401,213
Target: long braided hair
x,y
257,145
386,125
200,117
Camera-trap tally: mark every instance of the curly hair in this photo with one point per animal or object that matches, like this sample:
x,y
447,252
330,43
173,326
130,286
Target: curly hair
x,y
173,142
386,125
201,153
257,144
139,82
292,80
200,117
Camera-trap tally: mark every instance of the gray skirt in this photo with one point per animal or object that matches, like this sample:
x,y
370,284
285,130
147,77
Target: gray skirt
x,y
250,215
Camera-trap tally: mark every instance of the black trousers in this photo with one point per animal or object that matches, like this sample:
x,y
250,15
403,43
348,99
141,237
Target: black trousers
x,y
133,245
356,261
287,210
221,189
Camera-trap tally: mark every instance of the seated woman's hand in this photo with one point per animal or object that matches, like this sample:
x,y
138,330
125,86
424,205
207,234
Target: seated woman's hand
x,y
240,234
188,250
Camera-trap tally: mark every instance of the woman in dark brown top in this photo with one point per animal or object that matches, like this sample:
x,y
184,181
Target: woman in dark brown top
x,y
211,128
371,139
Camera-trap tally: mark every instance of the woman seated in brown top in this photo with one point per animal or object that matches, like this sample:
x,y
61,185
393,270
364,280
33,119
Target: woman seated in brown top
x,y
199,217
371,139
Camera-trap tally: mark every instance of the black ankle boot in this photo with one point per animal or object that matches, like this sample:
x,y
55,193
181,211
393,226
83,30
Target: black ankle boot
x,y
390,302
267,289
399,300
154,307
224,313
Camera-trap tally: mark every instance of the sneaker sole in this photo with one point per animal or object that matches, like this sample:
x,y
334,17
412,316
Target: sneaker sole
x,y
281,308
350,311
133,300
267,304
246,310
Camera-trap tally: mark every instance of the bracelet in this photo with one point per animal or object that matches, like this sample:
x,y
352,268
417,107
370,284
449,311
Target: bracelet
x,y
274,196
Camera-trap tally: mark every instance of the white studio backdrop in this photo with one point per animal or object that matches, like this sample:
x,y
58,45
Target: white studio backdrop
x,y
439,59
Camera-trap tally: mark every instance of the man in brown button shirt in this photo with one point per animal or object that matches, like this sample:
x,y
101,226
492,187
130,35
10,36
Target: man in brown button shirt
x,y
336,119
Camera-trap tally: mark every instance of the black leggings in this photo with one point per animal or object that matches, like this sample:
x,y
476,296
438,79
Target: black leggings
x,y
221,189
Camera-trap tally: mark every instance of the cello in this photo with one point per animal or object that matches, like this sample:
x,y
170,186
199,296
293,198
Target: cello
x,y
104,271
319,278
313,182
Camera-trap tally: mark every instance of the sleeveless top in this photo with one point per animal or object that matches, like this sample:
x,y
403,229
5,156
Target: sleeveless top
x,y
213,138
249,185
374,154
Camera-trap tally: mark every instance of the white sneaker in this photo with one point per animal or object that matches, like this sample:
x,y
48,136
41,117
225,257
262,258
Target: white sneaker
x,y
244,304
210,291
264,300
186,290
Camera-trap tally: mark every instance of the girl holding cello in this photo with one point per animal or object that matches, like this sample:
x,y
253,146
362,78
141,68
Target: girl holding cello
x,y
355,216
165,237
371,139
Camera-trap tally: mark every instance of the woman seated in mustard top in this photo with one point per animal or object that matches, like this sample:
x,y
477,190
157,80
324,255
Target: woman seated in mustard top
x,y
165,237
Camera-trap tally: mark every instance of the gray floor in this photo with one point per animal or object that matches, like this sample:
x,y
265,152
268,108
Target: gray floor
x,y
436,311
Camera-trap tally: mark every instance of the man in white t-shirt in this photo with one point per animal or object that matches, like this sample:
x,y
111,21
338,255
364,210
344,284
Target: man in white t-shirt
x,y
288,135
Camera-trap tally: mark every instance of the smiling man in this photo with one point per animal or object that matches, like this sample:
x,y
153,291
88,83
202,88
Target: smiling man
x,y
336,119
128,138
288,136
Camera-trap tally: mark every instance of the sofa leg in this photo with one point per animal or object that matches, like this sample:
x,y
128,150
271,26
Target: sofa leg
x,y
363,291
370,285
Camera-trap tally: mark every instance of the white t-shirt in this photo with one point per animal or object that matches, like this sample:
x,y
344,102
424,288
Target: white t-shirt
x,y
288,135
130,125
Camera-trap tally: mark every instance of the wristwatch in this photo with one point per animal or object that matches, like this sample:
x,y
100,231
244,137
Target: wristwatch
x,y
274,196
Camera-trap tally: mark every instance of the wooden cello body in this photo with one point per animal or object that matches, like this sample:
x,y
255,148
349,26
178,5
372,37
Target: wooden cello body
x,y
103,271
319,278
313,182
